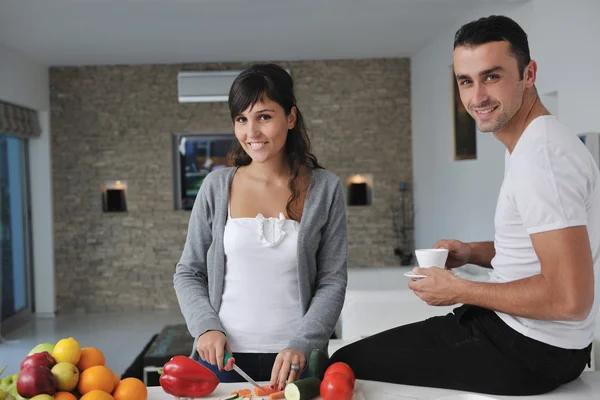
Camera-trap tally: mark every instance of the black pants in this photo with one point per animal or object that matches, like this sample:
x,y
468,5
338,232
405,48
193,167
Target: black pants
x,y
471,349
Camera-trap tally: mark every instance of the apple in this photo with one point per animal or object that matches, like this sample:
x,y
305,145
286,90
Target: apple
x,y
36,380
67,376
49,347
43,358
8,382
13,392
42,397
5,395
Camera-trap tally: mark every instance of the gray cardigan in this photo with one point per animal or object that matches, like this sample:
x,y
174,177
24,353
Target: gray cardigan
x,y
322,259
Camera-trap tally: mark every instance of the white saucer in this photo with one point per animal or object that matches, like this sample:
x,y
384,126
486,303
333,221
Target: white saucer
x,y
417,276
413,275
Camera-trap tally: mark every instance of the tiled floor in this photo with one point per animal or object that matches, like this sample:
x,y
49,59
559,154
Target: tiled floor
x,y
121,337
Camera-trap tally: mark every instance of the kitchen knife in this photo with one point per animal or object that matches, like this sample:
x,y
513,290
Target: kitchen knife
x,y
239,370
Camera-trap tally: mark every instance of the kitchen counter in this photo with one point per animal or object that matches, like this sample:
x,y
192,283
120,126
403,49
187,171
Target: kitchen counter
x,y
586,387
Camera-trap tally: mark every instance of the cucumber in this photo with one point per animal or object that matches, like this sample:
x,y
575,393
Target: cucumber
x,y
305,389
318,363
232,397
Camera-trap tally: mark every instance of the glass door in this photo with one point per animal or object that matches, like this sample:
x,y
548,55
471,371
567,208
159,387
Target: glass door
x,y
15,277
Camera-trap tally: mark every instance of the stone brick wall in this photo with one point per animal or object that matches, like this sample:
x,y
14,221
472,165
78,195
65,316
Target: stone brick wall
x,y
115,122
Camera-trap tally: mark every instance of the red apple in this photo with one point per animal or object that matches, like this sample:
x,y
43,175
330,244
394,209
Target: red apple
x,y
36,380
44,359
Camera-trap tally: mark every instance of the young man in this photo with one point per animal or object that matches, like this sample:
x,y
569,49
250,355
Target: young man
x,y
530,328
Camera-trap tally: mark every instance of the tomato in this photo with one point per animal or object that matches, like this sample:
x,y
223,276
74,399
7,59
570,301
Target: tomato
x,y
336,386
342,368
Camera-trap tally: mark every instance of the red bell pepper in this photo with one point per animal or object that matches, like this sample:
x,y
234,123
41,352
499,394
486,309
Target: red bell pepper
x,y
184,377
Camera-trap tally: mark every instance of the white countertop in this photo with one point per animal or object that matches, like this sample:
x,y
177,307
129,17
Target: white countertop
x,y
586,387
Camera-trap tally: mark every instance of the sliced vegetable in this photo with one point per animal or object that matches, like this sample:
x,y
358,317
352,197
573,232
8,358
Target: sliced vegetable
x,y
318,363
265,390
235,396
305,389
243,394
277,395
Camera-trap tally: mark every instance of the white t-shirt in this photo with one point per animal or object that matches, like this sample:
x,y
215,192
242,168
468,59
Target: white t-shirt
x,y
261,309
551,182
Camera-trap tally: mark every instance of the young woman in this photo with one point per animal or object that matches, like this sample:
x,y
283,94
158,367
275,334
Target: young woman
x,y
263,271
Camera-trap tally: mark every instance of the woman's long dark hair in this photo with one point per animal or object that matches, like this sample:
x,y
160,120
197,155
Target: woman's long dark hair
x,y
274,82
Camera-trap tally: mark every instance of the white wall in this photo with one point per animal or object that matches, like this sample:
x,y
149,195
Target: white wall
x,y
25,82
565,40
457,199
40,165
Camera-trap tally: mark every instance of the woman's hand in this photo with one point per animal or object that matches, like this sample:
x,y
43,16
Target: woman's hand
x,y
211,346
289,365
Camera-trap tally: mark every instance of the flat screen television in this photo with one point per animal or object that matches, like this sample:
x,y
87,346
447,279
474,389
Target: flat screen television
x,y
195,155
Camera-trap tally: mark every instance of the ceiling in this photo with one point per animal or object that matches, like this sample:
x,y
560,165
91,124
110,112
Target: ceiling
x,y
100,32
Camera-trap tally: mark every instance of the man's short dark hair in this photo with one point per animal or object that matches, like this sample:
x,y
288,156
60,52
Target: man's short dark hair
x,y
496,28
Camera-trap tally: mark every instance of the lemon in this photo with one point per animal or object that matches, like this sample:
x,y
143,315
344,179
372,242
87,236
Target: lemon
x,y
67,350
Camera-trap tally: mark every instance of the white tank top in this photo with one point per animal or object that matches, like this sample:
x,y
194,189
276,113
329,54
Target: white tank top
x,y
260,309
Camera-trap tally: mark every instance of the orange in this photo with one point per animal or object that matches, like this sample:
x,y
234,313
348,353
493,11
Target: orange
x,y
117,379
131,389
64,396
90,357
96,378
97,395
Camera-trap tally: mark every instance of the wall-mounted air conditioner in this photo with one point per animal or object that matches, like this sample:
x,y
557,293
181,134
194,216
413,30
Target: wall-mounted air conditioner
x,y
205,86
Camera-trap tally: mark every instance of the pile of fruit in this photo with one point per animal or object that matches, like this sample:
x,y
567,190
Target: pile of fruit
x,y
65,371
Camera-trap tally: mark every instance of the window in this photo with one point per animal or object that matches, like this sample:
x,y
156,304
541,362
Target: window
x,y
14,229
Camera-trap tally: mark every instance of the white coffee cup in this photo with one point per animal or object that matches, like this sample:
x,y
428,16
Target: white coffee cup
x,y
428,258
